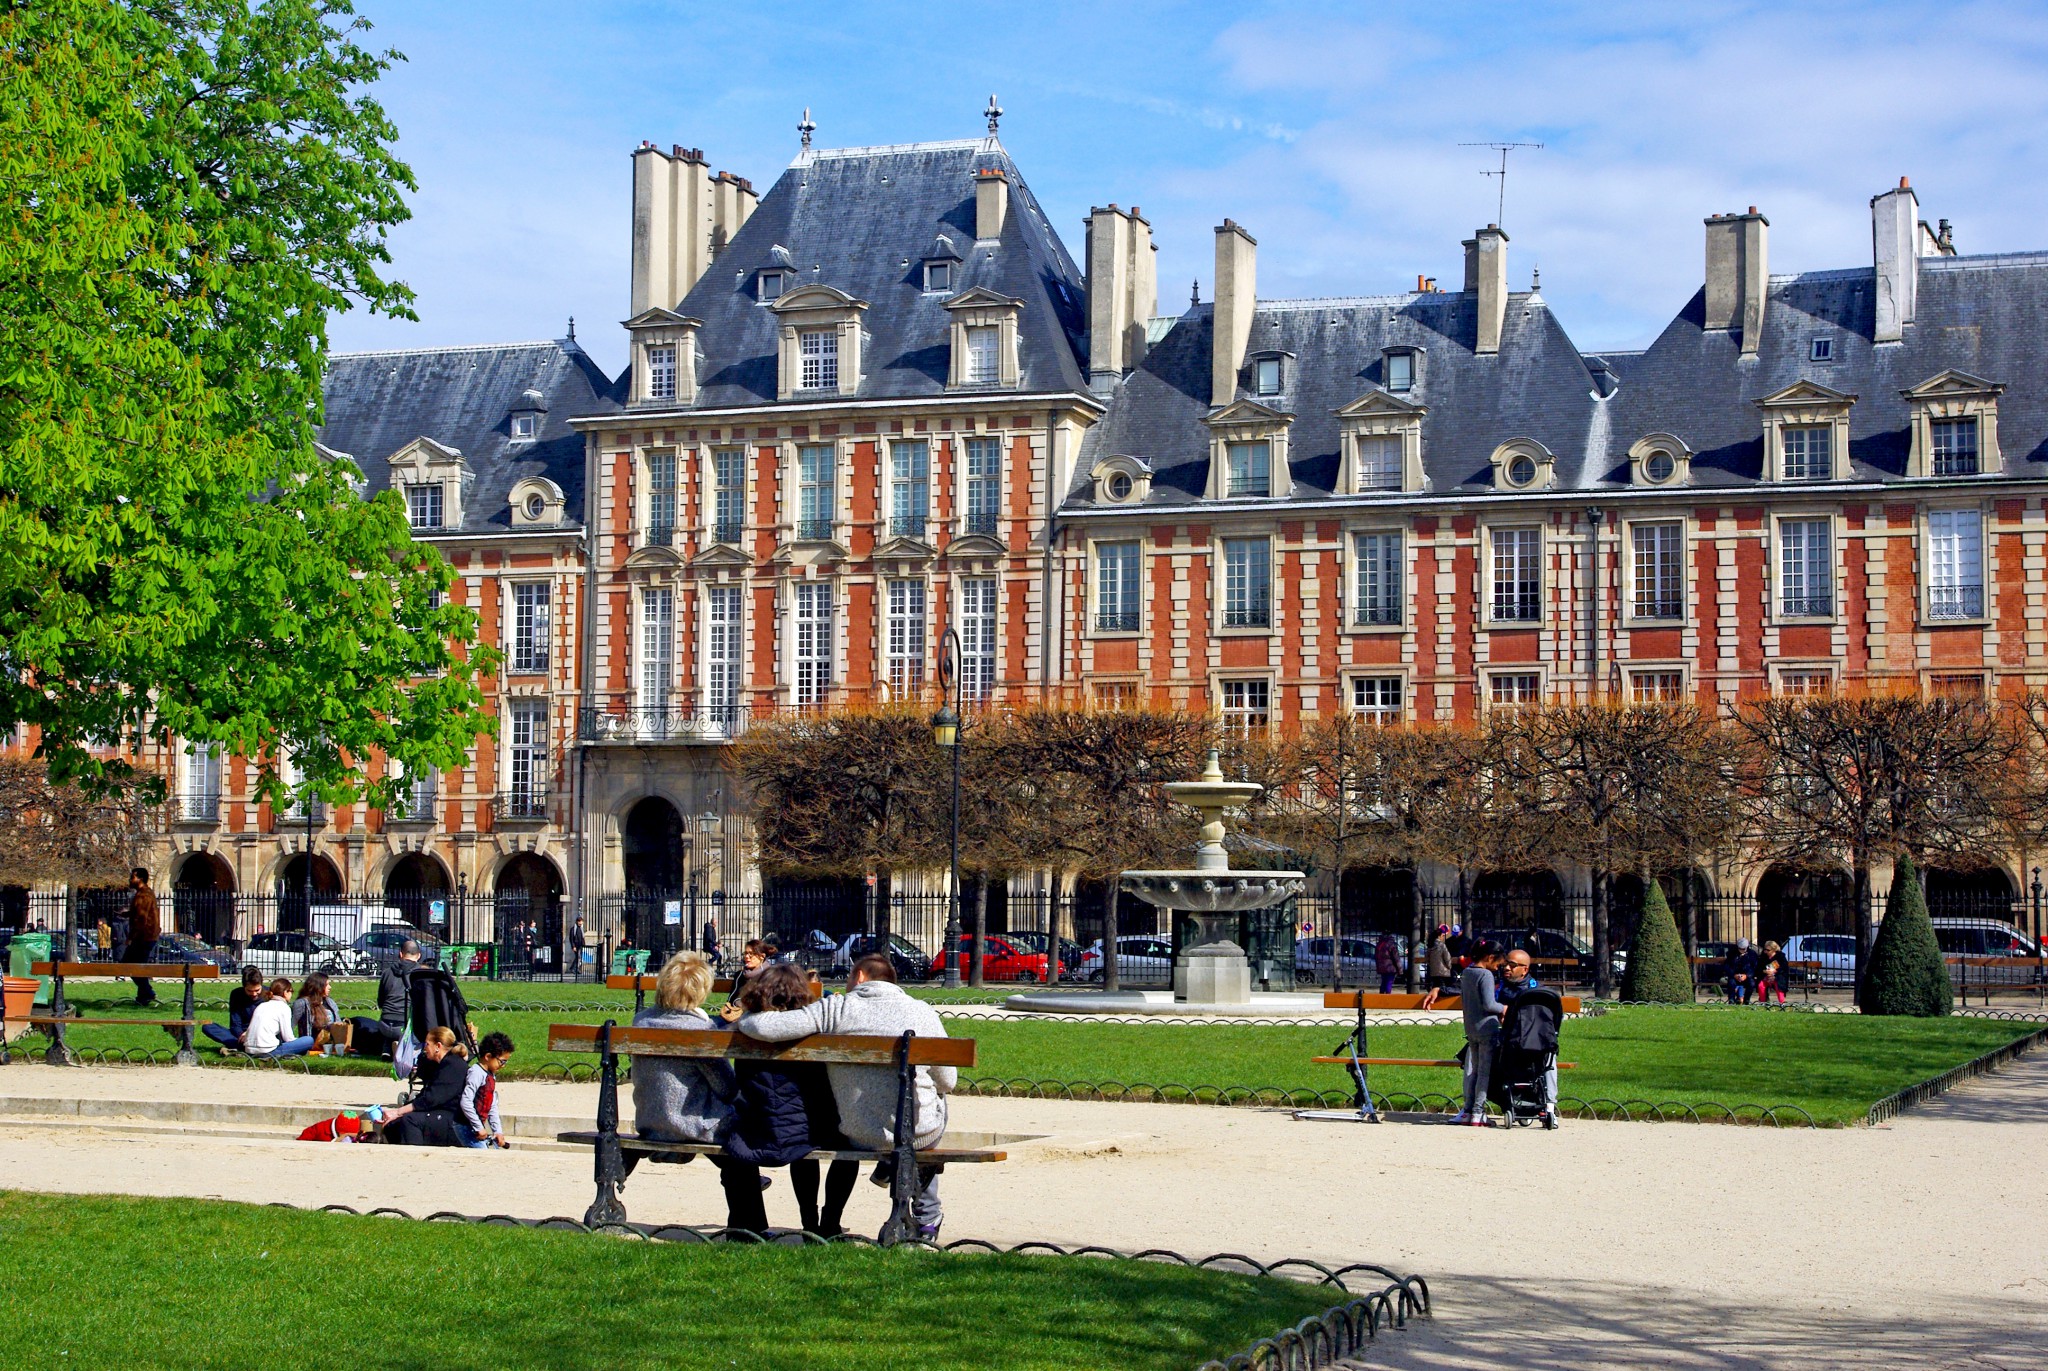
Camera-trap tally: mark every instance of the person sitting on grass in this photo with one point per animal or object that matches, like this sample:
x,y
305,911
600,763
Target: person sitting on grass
x,y
874,1004
1483,1011
430,1119
479,1125
784,1112
1738,972
316,1016
270,1026
242,1002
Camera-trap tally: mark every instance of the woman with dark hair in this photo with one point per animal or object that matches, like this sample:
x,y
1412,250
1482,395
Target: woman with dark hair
x,y
1483,1013
785,1111
316,1016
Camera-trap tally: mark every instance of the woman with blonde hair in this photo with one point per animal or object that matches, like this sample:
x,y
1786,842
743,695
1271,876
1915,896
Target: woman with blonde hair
x,y
429,1121
682,1099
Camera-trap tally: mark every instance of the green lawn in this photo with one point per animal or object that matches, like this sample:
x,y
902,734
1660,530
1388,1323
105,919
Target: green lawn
x,y
1835,1066
195,1283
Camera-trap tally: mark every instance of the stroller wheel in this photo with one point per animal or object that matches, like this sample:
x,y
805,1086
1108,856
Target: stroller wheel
x,y
1549,1122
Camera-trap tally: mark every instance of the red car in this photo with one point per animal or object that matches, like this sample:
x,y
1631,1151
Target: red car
x,y
1002,961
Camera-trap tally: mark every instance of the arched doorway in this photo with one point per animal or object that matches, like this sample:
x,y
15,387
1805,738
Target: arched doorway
x,y
1517,899
1985,893
1377,899
1790,902
291,890
203,898
417,886
529,916
652,848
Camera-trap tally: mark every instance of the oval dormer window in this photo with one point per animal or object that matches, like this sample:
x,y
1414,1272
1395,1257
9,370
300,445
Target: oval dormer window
x,y
536,505
1521,471
1118,485
1659,466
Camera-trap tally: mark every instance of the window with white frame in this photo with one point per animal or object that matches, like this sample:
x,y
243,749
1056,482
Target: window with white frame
x,y
818,350
906,637
661,498
1247,707
1809,451
292,777
1806,568
1955,564
1379,598
984,484
200,800
910,487
984,354
1377,699
722,635
728,494
1116,587
1379,461
529,793
1266,376
1513,689
977,638
1400,372
424,503
415,792
1518,575
1961,685
525,425
1656,687
661,371
815,491
1250,470
1247,583
814,640
1115,695
1805,681
530,619
1954,446
657,645
938,275
1657,570
769,285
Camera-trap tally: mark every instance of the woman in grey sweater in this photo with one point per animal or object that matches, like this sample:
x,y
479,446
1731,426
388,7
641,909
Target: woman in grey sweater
x,y
1483,1011
682,1099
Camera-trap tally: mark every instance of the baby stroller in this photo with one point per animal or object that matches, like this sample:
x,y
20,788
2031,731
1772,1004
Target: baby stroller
x,y
435,1000
1526,1056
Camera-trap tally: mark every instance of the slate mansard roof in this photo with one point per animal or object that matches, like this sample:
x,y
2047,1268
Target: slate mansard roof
x,y
463,398
864,220
1985,316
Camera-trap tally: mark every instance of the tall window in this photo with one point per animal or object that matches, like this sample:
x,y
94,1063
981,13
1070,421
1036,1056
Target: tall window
x,y
1379,596
1400,372
529,797
1656,687
978,638
722,655
1658,566
1955,447
1955,564
984,355
657,645
814,492
1247,707
1809,452
201,799
1379,461
910,487
1806,568
1376,699
1247,583
819,351
906,637
1518,575
530,626
728,494
813,641
1116,587
1251,469
292,777
416,792
423,504
1266,376
984,484
661,498
661,372
1513,689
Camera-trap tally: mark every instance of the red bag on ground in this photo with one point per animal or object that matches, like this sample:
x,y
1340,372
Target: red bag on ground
x,y
342,1126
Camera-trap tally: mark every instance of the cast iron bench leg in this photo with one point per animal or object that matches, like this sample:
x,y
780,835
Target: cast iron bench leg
x,y
902,1224
607,1208
188,1054
60,1053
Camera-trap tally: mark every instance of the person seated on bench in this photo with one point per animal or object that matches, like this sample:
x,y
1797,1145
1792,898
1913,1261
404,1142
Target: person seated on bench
x,y
1483,1011
1738,972
430,1120
270,1026
875,1005
1442,968
316,1016
785,1111
376,1037
242,1002
692,1099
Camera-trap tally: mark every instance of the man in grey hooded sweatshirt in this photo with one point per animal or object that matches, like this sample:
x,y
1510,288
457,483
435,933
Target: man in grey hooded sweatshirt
x,y
866,1095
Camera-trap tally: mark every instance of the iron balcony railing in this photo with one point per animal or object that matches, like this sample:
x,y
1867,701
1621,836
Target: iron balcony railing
x,y
814,530
522,804
1377,614
981,521
199,807
1808,606
1116,621
637,721
1955,602
526,660
414,805
728,531
297,812
907,526
1256,613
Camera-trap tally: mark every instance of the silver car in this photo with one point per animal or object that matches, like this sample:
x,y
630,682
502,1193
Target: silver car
x,y
1358,959
300,953
1139,957
1832,955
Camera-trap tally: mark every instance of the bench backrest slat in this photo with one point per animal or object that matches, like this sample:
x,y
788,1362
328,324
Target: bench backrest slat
x,y
842,1049
168,971
724,985
1348,999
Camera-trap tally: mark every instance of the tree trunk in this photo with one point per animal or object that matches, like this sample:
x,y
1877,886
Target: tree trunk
x,y
1418,932
1337,928
1603,968
885,891
974,962
1866,927
1109,948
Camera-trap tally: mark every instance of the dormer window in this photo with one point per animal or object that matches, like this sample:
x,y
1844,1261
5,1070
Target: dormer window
x,y
1522,464
1658,467
1821,349
1122,480
819,348
1118,486
818,342
938,276
524,426
1660,459
1248,452
424,504
1521,470
1806,433
1954,426
1400,372
983,336
664,358
661,371
984,354
1251,469
769,285
1266,376
526,415
1379,445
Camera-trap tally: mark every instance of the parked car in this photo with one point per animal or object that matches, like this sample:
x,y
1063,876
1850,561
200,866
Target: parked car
x,y
1356,959
1035,940
1986,938
182,948
1003,960
1835,954
815,951
912,962
298,953
1554,946
378,948
1139,957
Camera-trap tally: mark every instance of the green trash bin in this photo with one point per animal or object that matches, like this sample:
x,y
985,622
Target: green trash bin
x,y
24,950
629,961
467,959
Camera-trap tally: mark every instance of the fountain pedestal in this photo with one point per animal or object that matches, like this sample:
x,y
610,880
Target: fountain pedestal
x,y
1213,973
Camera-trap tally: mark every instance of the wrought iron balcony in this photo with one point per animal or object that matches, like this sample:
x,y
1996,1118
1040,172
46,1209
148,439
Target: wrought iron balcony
x,y
982,521
814,530
658,535
728,531
630,720
414,805
199,807
1116,621
1807,606
526,660
1955,602
1373,616
907,526
300,812
522,804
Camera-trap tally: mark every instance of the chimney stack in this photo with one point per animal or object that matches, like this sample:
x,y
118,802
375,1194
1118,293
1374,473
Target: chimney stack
x,y
1237,259
1738,275
1486,279
673,219
1895,248
991,203
1123,292
732,201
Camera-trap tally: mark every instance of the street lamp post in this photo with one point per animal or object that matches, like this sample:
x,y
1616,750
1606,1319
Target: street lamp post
x,y
946,732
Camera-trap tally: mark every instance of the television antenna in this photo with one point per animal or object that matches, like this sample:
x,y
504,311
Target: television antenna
x,y
1501,205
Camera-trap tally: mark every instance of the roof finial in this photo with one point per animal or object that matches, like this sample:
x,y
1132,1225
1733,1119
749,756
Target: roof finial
x,y
1195,291
993,113
806,127
572,328
1535,278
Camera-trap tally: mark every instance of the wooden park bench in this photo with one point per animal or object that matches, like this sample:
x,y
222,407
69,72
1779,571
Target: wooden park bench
x,y
59,1018
724,985
618,1152
1353,1051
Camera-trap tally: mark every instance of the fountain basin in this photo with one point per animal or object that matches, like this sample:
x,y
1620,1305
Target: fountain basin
x,y
1213,892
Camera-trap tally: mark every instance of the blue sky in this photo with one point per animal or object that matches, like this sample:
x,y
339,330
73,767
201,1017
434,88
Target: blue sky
x,y
1332,132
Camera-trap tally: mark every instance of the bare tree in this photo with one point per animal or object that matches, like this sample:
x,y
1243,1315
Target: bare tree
x,y
57,832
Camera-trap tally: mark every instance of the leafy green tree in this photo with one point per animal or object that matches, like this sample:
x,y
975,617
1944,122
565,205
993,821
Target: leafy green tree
x,y
1658,970
187,189
1906,974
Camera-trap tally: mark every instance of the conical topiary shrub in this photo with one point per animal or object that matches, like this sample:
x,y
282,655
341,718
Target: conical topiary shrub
x,y
1658,971
1906,973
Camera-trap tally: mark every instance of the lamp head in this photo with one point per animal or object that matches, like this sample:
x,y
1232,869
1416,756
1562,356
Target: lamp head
x,y
946,727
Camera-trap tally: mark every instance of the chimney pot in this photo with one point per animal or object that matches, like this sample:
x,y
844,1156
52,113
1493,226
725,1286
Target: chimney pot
x,y
1236,295
1904,184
